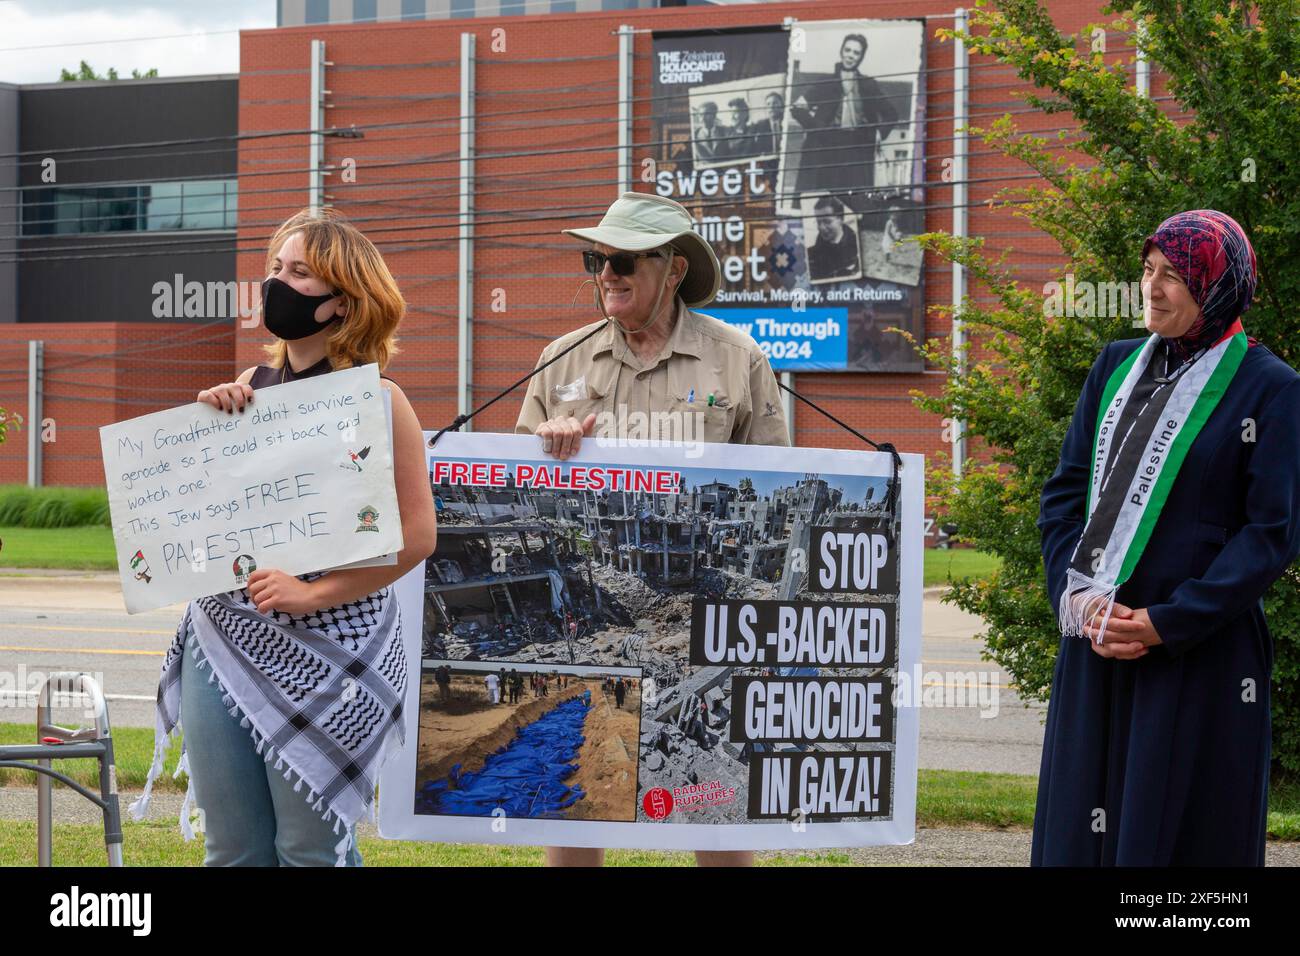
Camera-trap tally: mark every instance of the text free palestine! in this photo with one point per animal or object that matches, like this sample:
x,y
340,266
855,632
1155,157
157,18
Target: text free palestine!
x,y
496,474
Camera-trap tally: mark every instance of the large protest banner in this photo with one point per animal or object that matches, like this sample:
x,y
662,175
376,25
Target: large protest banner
x,y
662,645
800,153
301,481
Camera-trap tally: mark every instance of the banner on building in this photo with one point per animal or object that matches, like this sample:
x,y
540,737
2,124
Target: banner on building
x,y
800,154
301,480
661,646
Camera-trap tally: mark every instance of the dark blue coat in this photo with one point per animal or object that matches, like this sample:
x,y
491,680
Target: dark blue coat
x,y
1164,760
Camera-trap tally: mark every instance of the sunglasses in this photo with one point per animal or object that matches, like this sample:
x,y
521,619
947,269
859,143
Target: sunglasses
x,y
623,263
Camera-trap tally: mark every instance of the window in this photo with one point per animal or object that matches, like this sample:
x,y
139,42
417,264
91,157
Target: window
x,y
317,11
162,205
203,205
151,207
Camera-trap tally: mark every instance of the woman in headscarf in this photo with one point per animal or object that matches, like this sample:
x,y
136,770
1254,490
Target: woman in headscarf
x,y
289,691
1176,504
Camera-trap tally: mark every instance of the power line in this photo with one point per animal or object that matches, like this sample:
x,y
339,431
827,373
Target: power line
x,y
413,244
480,191
154,345
448,220
446,157
454,121
436,159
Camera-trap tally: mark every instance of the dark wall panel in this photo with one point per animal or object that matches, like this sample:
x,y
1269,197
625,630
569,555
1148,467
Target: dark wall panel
x,y
111,277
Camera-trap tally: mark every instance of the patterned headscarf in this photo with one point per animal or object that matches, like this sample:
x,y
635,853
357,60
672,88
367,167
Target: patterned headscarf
x,y
1214,257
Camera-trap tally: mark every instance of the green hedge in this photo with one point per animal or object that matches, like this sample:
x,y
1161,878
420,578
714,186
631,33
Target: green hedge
x,y
1282,608
52,507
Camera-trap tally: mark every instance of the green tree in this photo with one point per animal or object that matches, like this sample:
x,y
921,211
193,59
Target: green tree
x,y
87,72
1231,68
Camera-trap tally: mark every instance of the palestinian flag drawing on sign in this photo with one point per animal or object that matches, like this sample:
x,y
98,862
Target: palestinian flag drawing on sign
x,y
141,573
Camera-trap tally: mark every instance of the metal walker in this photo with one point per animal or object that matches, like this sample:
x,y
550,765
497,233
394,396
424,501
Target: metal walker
x,y
63,743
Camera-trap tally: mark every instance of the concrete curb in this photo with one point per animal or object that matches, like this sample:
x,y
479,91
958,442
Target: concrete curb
x,y
58,574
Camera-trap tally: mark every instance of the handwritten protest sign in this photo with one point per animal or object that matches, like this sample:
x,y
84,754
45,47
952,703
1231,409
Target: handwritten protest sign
x,y
301,481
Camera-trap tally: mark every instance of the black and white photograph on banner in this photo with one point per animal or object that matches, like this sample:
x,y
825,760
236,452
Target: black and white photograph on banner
x,y
737,121
801,291
885,230
834,254
852,95
784,254
755,615
878,347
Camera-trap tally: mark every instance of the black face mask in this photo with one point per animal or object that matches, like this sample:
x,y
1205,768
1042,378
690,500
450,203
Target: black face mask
x,y
288,314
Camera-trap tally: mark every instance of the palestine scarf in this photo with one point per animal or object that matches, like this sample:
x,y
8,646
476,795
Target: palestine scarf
x,y
1146,423
320,694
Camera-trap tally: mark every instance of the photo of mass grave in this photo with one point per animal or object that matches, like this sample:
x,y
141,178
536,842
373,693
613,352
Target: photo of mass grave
x,y
562,577
527,740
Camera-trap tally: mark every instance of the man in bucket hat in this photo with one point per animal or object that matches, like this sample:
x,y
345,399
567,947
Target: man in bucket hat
x,y
656,370
684,373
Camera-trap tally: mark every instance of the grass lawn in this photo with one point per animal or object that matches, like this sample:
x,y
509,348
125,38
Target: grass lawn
x,y
78,549
945,798
159,843
940,564
91,549
132,748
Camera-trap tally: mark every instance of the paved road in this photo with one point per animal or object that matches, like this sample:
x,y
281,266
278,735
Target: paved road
x,y
76,622
983,724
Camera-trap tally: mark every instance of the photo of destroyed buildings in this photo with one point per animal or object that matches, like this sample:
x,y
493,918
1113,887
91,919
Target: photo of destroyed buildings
x,y
586,589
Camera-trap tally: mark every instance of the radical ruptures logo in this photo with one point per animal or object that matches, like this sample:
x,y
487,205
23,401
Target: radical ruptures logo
x,y
700,796
369,519
658,803
243,566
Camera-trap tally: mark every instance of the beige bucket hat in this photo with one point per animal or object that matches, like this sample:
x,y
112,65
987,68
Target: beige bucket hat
x,y
639,222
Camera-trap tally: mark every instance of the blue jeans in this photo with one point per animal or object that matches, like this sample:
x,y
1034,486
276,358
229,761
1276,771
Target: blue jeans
x,y
251,815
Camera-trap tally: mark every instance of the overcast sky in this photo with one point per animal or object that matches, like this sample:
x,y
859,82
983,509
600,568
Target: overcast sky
x,y
208,41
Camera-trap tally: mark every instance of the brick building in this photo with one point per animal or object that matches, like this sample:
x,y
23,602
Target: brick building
x,y
546,141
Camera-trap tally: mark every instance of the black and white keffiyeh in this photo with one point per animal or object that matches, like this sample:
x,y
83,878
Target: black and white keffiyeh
x,y
320,694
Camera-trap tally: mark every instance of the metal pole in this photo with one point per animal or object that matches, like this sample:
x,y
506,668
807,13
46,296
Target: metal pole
x,y
1143,64
960,81
59,689
787,379
316,139
465,292
625,44
44,787
35,413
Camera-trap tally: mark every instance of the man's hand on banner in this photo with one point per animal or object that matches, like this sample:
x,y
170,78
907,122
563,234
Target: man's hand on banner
x,y
561,437
272,589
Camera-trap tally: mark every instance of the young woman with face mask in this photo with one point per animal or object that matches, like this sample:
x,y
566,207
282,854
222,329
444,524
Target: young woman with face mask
x,y
289,691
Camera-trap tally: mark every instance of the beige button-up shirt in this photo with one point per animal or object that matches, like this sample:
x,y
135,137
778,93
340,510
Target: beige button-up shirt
x,y
667,398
